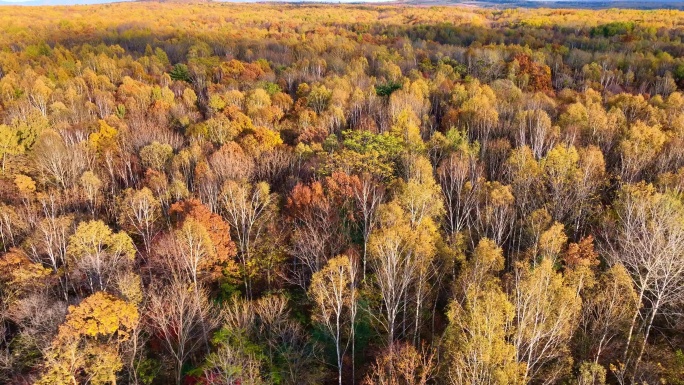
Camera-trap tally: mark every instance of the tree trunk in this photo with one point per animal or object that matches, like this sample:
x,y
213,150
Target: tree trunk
x,y
643,343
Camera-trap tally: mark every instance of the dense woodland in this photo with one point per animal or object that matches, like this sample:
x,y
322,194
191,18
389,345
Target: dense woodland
x,y
277,194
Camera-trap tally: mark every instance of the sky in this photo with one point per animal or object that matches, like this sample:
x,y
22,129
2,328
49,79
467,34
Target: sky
x,y
58,2
72,2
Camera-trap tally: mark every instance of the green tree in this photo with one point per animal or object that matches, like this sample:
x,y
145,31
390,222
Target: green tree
x,y
156,155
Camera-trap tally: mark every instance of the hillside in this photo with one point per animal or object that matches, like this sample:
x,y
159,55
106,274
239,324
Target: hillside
x,y
201,193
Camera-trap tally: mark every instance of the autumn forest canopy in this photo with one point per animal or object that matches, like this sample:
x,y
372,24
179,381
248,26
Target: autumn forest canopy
x,y
225,194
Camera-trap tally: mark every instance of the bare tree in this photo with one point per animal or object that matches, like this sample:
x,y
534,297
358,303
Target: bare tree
x,y
648,240
535,130
248,209
333,290
12,227
228,366
49,244
608,309
543,326
318,229
267,322
180,314
140,213
368,195
394,266
58,162
459,177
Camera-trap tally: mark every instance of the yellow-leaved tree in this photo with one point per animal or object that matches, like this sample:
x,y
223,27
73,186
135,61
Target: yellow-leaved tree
x,y
99,253
86,349
480,327
333,291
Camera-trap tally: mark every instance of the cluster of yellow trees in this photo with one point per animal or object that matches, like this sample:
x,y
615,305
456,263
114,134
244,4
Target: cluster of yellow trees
x,y
257,194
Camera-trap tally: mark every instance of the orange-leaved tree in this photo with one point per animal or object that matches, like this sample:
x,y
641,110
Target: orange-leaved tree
x,y
203,241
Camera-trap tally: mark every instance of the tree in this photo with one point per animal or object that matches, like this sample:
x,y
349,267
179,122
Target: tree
x,y
21,273
140,214
535,131
203,241
405,126
393,263
12,226
39,94
420,198
494,212
403,365
543,329
49,244
364,152
91,185
257,100
156,155
591,374
607,313
58,163
318,216
86,349
231,163
260,141
333,291
459,178
105,142
647,239
523,174
9,143
572,179
229,366
478,115
199,250
180,72
319,98
639,149
99,253
180,316
196,251
248,209
263,330
481,324
538,75
368,195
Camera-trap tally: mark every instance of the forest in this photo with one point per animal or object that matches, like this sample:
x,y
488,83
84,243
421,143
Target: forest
x,y
253,194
